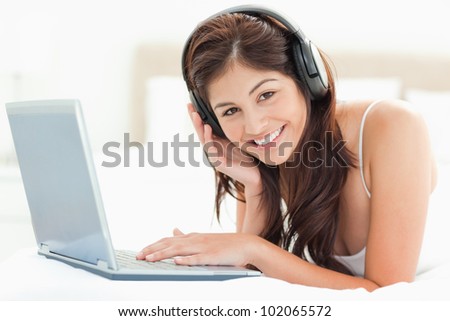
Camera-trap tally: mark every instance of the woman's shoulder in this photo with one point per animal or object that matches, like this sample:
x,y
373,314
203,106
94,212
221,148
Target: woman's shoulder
x,y
387,108
392,133
389,119
388,124
397,136
389,114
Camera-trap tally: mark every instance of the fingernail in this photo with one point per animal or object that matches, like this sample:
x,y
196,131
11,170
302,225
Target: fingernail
x,y
149,257
140,255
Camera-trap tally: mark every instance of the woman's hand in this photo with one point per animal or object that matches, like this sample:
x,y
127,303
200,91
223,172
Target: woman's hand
x,y
225,156
203,249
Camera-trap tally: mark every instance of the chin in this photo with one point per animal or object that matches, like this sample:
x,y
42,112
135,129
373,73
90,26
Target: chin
x,y
272,155
275,159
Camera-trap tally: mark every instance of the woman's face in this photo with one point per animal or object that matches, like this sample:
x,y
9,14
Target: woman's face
x,y
262,112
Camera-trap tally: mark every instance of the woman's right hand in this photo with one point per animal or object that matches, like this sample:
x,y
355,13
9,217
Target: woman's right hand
x,y
225,156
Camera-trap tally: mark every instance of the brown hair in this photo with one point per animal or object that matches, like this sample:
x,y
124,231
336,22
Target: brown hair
x,y
311,193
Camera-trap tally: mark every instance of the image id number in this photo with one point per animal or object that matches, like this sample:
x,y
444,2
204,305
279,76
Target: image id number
x,y
302,311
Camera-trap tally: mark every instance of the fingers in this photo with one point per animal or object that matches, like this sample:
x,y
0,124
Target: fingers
x,y
214,150
197,259
203,130
177,232
191,108
165,249
163,254
207,134
200,249
197,122
169,247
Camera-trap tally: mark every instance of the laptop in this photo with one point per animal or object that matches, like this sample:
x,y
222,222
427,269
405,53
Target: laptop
x,y
65,203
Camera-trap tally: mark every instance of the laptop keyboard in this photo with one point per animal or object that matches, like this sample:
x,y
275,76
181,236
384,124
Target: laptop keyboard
x,y
127,259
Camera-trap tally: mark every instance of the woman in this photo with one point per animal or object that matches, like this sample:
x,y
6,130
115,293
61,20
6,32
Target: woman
x,y
330,194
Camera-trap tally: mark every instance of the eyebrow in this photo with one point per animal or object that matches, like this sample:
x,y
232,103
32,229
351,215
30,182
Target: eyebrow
x,y
260,84
219,105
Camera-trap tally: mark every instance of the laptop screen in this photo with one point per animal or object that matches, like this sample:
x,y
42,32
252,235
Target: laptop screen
x,y
59,179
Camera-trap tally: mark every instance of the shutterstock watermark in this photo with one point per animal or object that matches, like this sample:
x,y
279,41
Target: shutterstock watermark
x,y
184,153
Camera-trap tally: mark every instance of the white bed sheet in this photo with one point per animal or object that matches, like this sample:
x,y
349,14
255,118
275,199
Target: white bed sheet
x,y
138,214
28,276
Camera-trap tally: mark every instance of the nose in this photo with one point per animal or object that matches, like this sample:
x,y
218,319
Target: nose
x,y
256,122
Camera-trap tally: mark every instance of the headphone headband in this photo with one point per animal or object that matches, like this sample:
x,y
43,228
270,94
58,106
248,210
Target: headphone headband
x,y
251,10
308,63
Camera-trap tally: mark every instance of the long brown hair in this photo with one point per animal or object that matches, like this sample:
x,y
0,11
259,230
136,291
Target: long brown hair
x,y
310,191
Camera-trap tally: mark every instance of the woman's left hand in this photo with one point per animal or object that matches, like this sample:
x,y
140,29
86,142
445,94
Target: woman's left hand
x,y
203,249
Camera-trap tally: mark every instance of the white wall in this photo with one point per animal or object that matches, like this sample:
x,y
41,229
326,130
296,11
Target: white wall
x,y
84,49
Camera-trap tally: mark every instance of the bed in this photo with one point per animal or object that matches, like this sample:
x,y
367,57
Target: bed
x,y
138,211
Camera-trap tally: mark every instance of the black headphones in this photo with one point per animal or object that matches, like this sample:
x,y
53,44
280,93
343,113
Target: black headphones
x,y
308,63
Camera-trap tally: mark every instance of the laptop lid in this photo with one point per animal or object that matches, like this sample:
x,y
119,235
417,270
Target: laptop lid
x,y
59,178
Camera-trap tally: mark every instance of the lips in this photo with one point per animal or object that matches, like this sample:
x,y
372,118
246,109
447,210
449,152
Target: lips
x,y
269,137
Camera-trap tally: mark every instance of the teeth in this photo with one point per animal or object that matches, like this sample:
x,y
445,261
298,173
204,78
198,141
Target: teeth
x,y
268,138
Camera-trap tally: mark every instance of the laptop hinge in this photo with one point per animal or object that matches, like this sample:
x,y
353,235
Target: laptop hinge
x,y
102,264
45,249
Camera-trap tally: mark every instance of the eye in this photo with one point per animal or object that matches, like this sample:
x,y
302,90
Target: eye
x,y
230,111
266,95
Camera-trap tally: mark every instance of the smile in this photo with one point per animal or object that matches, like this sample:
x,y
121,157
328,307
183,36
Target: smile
x,y
269,137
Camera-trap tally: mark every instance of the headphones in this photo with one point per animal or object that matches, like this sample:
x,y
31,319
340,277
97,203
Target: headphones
x,y
309,66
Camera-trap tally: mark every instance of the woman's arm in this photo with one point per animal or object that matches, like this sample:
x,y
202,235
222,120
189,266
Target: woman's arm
x,y
241,249
401,180
250,216
278,263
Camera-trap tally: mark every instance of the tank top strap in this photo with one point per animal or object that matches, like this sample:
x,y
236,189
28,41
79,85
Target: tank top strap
x,y
361,131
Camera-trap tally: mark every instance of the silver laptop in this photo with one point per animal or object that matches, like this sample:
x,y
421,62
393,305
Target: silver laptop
x,y
64,199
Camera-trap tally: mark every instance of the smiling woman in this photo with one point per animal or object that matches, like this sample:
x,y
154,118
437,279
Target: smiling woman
x,y
335,194
265,122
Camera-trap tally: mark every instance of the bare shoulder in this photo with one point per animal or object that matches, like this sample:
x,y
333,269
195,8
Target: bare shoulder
x,y
394,122
394,132
387,118
396,114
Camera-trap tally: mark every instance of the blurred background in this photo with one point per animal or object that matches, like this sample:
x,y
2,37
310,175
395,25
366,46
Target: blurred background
x,y
121,59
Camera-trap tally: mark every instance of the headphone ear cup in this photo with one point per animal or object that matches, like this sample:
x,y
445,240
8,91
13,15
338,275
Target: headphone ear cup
x,y
310,68
298,63
321,76
205,114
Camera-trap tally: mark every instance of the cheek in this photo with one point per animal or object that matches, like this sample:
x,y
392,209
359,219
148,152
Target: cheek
x,y
296,117
231,130
299,127
299,112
